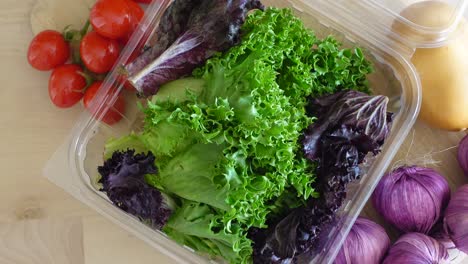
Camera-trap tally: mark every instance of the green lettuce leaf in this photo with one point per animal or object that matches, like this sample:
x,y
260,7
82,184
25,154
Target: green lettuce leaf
x,y
132,141
190,175
192,225
226,140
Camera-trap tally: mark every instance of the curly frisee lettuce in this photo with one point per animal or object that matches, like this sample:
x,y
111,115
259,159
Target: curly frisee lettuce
x,y
227,140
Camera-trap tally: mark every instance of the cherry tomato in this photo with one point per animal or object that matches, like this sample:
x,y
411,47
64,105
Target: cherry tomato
x,y
129,87
122,80
143,1
66,85
48,50
111,18
137,14
114,113
98,53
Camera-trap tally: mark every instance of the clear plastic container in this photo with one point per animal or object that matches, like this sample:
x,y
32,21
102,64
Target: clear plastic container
x,y
363,23
441,19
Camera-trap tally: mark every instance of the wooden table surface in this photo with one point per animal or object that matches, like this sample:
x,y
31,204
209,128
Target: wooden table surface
x,y
31,128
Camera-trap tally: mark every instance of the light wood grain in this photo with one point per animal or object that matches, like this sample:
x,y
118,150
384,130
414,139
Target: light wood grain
x,y
52,241
31,128
51,14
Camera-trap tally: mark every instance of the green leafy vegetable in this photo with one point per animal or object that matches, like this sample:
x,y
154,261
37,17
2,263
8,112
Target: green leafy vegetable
x,y
227,139
191,226
190,175
179,91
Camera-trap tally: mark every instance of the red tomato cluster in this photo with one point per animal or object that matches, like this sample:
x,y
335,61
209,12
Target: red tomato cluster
x,y
79,60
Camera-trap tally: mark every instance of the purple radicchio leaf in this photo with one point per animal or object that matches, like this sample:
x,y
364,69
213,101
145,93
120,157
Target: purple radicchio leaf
x,y
358,111
350,125
123,180
212,26
170,27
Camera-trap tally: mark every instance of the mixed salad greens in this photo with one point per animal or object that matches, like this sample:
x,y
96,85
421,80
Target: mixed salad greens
x,y
248,146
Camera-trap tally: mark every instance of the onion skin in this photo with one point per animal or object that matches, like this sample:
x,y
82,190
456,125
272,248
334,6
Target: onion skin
x,y
463,154
440,234
411,198
456,218
416,248
367,242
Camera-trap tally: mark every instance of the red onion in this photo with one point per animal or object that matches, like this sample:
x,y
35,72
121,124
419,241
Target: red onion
x,y
367,243
453,252
416,248
463,154
439,233
456,218
411,198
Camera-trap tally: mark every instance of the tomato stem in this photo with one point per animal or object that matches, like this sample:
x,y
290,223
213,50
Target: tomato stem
x,y
74,37
88,77
85,28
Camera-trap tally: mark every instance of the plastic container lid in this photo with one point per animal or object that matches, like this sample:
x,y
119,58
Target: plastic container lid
x,y
411,23
425,23
453,9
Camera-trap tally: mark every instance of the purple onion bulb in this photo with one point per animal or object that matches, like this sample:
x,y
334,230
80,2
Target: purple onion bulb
x,y
416,248
367,242
440,234
456,218
463,154
411,198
